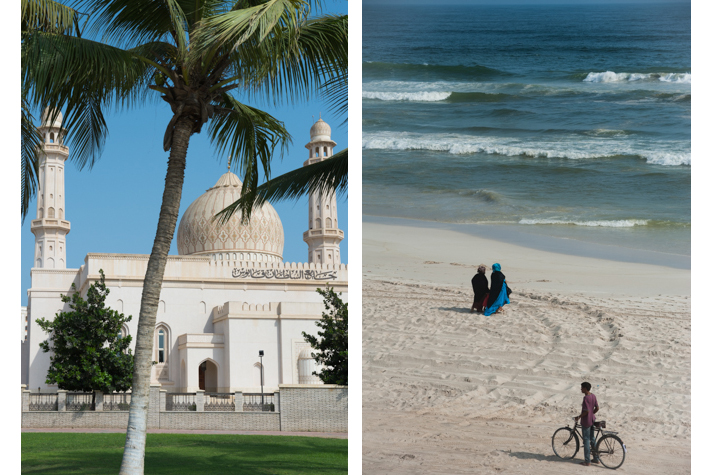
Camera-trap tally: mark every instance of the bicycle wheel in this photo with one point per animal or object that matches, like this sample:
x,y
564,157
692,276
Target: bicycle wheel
x,y
611,451
565,443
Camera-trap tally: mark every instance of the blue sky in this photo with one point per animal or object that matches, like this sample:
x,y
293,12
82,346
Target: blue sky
x,y
115,206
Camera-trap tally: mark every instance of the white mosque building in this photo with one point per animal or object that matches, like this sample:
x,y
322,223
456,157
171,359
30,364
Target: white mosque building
x,y
227,296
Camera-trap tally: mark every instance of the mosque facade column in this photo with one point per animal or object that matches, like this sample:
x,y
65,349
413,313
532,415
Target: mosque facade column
x,y
323,236
51,227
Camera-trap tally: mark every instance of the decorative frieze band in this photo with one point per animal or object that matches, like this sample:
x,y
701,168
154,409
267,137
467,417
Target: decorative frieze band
x,y
283,274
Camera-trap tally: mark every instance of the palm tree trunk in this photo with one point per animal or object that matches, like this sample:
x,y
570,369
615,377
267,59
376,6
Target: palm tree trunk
x,y
134,451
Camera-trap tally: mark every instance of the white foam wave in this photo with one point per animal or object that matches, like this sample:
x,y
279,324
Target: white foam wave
x,y
406,96
667,158
611,76
571,148
621,223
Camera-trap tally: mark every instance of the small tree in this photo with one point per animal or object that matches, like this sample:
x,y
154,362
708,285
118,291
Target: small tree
x,y
332,348
89,352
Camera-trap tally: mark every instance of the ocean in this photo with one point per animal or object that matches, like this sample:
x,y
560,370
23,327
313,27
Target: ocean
x,y
565,121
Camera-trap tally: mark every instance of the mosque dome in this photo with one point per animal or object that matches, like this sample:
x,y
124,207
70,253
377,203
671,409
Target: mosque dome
x,y
46,115
262,239
320,131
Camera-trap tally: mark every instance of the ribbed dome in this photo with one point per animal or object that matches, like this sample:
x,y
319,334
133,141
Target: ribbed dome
x,y
262,238
320,131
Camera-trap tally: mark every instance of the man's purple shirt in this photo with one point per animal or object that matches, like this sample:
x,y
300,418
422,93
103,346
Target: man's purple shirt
x,y
588,404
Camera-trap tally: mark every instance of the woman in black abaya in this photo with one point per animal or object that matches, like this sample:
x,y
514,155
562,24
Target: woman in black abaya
x,y
480,289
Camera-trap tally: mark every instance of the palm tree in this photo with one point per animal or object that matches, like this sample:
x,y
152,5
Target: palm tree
x,y
193,53
45,16
327,176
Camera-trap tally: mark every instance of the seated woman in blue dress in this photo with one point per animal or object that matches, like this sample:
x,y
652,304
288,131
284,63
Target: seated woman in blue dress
x,y
498,295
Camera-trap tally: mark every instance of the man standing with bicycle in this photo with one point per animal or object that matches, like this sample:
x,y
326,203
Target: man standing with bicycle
x,y
589,408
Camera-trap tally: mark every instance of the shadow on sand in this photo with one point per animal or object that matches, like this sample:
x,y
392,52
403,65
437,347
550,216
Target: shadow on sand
x,y
458,310
542,457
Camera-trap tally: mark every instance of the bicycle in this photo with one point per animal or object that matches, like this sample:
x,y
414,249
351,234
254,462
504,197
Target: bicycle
x,y
609,448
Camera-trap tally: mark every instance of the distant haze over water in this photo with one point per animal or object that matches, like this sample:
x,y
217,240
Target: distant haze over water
x,y
572,121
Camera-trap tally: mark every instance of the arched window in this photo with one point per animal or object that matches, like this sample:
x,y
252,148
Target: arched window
x,y
328,223
50,213
41,213
161,346
51,138
61,213
318,221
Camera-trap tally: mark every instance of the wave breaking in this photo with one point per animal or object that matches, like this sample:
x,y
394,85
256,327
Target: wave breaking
x,y
573,148
611,76
619,223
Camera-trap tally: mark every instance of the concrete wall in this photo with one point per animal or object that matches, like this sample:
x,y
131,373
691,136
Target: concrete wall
x,y
303,408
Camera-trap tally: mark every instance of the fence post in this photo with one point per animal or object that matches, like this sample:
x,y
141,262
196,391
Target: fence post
x,y
154,406
163,399
62,400
25,399
238,401
200,400
98,401
277,401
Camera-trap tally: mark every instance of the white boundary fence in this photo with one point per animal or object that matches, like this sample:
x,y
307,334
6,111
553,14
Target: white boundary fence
x,y
317,408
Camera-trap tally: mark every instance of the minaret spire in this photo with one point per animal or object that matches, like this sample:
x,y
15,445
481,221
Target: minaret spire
x,y
323,236
51,228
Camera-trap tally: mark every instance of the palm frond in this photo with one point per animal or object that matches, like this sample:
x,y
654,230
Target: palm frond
x,y
250,136
327,176
50,17
127,23
30,155
335,93
294,64
234,27
83,77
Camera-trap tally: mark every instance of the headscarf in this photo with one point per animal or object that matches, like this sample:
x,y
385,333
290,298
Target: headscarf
x,y
496,267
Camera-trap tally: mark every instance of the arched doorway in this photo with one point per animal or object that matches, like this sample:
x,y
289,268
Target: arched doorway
x,y
208,376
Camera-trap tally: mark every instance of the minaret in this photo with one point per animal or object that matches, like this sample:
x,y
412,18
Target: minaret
x,y
323,236
50,228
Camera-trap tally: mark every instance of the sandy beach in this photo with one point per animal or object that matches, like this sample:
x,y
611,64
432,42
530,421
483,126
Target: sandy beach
x,y
447,391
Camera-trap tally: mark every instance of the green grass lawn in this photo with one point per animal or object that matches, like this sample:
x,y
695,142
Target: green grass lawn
x,y
64,453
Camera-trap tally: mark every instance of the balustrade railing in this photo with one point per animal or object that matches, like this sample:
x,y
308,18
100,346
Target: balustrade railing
x,y
43,402
219,402
180,402
117,401
80,401
253,402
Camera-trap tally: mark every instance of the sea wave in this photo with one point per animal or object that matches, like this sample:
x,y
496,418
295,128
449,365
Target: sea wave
x,y
406,96
611,76
619,223
380,69
574,148
435,96
488,196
